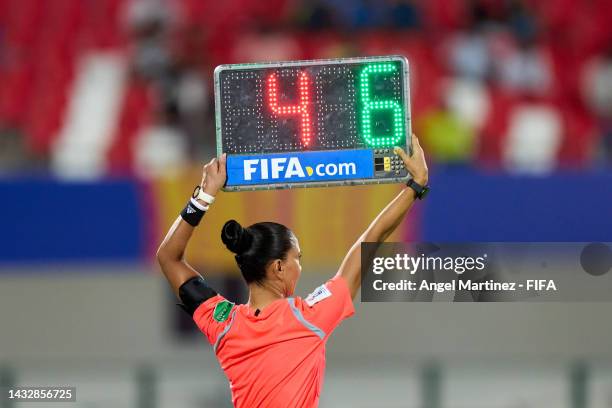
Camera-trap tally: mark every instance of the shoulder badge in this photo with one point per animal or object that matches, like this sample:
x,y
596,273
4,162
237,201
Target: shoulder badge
x,y
222,310
318,295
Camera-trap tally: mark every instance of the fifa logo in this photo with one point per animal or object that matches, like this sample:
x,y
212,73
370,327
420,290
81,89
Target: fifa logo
x,y
287,168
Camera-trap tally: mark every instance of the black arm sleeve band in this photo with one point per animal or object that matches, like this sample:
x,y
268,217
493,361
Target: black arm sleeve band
x,y
193,293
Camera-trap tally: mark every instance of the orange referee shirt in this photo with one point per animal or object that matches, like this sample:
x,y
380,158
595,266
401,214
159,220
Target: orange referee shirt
x,y
275,359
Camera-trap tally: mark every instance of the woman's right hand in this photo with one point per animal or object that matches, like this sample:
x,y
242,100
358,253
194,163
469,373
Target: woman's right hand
x,y
214,175
416,164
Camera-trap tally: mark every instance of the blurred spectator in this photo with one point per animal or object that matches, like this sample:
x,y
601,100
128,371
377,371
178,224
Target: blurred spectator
x,y
403,14
149,22
533,139
521,21
527,70
358,14
265,44
161,150
446,137
316,15
522,66
469,101
469,55
167,54
598,94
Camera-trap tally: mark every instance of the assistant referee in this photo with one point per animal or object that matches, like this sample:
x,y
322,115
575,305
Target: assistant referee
x,y
272,349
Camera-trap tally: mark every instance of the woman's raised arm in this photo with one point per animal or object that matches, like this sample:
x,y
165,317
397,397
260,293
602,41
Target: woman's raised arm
x,y
170,254
389,218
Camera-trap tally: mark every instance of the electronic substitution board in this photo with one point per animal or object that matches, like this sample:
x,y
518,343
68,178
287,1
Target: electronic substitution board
x,y
313,123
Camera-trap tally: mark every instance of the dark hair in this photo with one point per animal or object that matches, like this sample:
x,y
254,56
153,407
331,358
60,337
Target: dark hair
x,y
256,246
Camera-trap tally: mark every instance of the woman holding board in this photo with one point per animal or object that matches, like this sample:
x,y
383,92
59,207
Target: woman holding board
x,y
272,348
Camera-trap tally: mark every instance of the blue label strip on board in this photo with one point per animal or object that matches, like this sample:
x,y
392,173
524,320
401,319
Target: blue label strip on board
x,y
298,167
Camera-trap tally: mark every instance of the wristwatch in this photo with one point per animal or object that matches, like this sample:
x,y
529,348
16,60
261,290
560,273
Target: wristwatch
x,y
420,191
199,194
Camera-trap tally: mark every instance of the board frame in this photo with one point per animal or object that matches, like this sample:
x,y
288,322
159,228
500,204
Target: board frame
x,y
298,63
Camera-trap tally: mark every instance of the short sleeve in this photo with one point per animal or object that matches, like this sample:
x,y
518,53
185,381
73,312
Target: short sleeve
x,y
213,316
328,305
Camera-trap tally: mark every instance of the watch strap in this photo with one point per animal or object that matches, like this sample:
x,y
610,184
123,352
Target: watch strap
x,y
205,197
199,205
419,190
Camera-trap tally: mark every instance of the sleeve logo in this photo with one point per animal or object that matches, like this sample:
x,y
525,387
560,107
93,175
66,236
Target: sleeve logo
x,y
222,310
318,295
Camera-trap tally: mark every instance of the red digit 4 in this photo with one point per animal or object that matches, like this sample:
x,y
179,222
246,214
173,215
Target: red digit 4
x,y
302,109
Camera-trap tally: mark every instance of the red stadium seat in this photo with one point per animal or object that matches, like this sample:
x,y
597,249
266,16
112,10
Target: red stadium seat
x,y
495,128
135,114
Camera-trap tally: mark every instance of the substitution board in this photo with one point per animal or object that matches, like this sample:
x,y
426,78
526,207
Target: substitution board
x,y
313,123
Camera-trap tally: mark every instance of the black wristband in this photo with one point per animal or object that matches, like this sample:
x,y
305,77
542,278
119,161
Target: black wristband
x,y
419,191
191,214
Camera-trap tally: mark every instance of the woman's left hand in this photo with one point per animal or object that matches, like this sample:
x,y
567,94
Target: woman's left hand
x,y
416,164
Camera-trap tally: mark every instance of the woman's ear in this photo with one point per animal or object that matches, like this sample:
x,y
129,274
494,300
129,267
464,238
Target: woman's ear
x,y
277,268
274,270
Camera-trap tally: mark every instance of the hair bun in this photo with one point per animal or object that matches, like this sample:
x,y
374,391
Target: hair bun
x,y
236,239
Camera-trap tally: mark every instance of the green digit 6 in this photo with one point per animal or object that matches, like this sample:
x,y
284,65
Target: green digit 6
x,y
370,106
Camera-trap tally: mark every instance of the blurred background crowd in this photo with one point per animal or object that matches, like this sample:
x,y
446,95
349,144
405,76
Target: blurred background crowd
x,y
507,84
107,113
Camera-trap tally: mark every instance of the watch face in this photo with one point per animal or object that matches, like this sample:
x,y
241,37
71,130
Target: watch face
x,y
196,191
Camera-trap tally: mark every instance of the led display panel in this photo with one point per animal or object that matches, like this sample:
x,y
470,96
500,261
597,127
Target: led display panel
x,y
313,123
